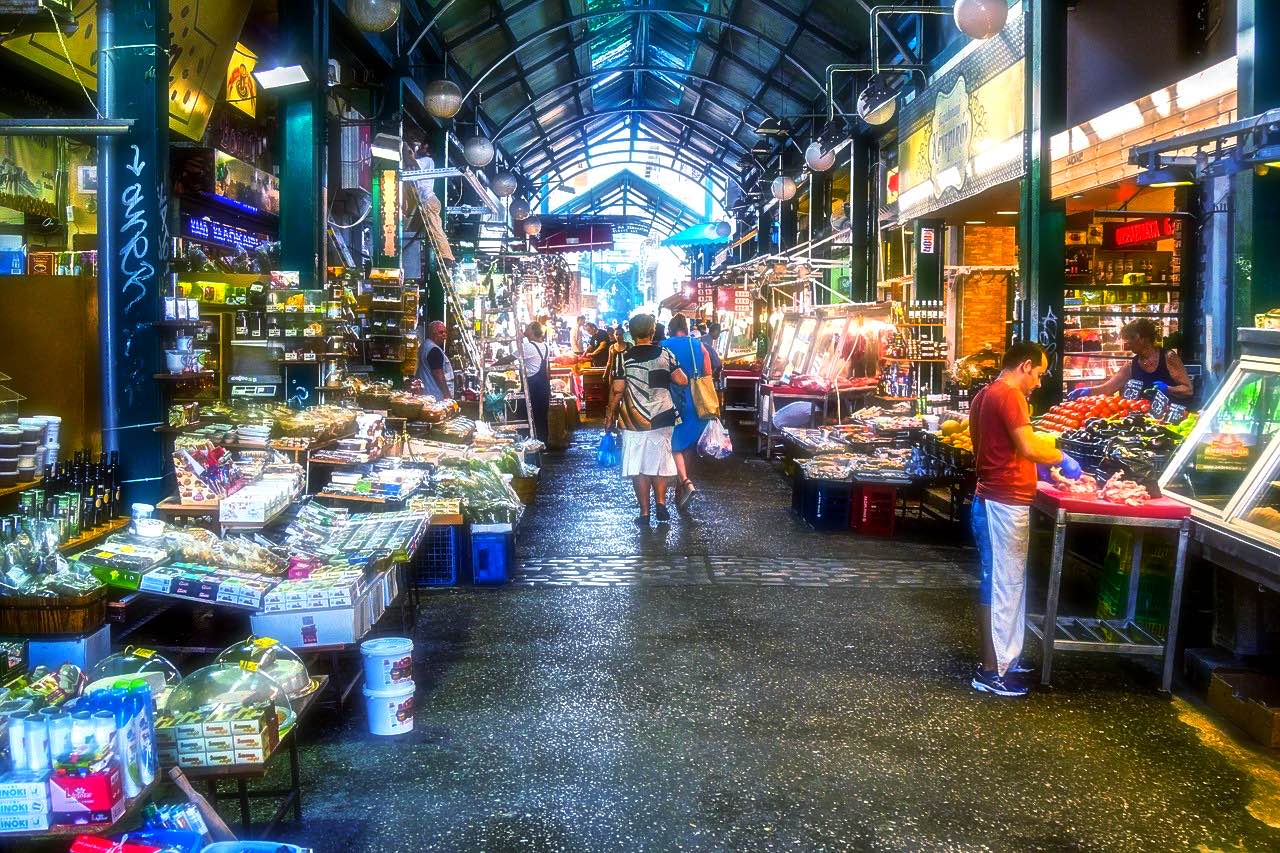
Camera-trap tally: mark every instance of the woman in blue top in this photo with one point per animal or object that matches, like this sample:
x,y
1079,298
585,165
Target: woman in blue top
x,y
695,362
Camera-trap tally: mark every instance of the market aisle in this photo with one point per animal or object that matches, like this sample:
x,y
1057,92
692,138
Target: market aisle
x,y
694,700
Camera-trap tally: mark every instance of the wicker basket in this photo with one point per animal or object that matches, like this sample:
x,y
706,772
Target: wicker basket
x,y
33,615
525,488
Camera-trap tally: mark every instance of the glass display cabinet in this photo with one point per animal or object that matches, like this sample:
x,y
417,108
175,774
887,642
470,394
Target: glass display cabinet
x,y
1228,469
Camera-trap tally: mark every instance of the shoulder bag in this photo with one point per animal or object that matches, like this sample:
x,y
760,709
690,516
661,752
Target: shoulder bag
x,y
703,388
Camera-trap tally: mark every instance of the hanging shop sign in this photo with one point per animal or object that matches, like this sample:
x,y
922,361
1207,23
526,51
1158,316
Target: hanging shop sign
x,y
387,198
242,88
29,167
202,37
1143,232
964,134
206,229
575,238
1096,153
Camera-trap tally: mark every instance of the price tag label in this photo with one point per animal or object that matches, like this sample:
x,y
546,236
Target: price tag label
x,y
1177,414
1132,390
264,642
144,653
249,666
1160,406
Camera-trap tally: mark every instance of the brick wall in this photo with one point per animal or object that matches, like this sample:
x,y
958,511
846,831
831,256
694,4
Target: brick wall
x,y
984,295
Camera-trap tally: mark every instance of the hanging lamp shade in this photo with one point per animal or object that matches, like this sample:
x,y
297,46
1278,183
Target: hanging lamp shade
x,y
504,184
478,151
783,188
878,103
443,98
374,16
533,226
980,19
818,159
519,210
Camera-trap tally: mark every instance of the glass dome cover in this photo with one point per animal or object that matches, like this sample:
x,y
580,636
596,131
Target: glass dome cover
x,y
228,684
275,660
133,661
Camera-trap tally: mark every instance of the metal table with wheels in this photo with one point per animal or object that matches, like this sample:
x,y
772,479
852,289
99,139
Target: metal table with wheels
x,y
1116,636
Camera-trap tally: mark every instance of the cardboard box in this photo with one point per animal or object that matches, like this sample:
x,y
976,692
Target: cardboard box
x,y
87,819
190,746
84,652
223,758
167,755
77,799
1249,700
194,759
299,629
25,785
24,822
250,756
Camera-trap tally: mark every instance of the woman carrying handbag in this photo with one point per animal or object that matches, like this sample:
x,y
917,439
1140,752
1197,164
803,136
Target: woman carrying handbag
x,y
697,403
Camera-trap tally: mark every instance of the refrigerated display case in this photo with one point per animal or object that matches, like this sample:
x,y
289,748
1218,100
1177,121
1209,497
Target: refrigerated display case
x,y
1093,350
1228,469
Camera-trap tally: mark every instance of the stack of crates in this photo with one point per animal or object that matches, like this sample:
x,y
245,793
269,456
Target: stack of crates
x,y
493,553
874,510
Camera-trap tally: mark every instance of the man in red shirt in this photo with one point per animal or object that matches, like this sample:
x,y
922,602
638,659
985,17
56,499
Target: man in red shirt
x,y
1006,451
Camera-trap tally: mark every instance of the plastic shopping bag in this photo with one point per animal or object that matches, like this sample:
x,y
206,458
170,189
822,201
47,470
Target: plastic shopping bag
x,y
610,453
715,441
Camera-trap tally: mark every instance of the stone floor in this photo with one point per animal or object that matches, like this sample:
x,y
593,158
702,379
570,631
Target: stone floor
x,y
738,682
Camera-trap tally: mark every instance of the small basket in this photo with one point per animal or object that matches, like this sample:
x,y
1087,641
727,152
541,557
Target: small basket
x,y
34,615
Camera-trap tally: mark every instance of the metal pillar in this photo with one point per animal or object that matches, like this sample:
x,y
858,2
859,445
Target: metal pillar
x,y
928,258
1256,200
1043,222
303,135
862,219
433,303
133,193
764,230
787,225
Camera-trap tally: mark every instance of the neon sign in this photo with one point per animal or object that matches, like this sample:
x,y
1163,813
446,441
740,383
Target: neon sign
x,y
208,230
1144,231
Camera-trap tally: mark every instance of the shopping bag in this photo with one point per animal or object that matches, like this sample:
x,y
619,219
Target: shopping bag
x,y
706,400
610,453
715,441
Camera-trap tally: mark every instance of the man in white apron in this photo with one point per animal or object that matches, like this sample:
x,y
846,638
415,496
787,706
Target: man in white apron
x,y
435,371
1006,451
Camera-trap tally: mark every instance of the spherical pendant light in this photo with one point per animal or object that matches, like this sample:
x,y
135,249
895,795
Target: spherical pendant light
x,y
373,16
504,184
818,159
980,19
519,209
444,98
723,229
877,103
478,151
783,188
532,226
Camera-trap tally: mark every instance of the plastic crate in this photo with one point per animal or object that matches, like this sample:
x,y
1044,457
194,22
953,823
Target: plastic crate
x,y
826,504
875,508
435,563
493,553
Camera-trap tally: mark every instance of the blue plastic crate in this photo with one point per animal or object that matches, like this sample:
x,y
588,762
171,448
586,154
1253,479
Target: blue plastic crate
x,y
493,553
436,561
826,504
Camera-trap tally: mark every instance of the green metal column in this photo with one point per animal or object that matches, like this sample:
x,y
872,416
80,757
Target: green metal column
x,y
1042,221
862,217
303,133
1256,200
133,189
928,265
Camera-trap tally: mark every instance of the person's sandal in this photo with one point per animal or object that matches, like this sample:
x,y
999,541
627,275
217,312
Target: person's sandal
x,y
662,513
642,520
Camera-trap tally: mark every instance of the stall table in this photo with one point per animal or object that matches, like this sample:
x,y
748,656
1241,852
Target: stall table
x,y
240,774
1116,636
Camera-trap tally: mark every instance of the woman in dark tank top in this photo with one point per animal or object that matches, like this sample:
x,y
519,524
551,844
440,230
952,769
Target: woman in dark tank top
x,y
1154,365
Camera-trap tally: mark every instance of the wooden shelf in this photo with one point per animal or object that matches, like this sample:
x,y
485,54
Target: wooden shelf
x,y
181,324
21,487
97,534
180,377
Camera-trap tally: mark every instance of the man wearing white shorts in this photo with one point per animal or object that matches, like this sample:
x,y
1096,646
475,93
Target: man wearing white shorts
x,y
640,399
1006,450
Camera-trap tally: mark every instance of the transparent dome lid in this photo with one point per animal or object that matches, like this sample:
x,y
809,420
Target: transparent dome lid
x,y
227,684
274,659
135,661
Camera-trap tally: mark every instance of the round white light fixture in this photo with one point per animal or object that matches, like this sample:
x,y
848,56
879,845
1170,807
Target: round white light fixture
x,y
818,159
783,188
980,19
519,209
723,229
532,226
877,103
478,151
443,98
373,16
504,184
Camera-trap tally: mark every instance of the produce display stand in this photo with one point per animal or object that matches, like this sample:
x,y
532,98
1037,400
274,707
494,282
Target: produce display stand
x,y
1116,636
240,774
132,810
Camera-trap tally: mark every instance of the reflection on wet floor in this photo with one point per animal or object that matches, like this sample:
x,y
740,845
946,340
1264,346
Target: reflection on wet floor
x,y
743,683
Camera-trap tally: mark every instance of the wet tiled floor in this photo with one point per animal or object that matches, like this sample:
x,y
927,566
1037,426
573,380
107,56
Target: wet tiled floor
x,y
746,684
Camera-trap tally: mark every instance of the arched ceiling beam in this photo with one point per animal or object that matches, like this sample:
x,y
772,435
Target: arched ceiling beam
x,y
576,169
649,10
544,139
629,69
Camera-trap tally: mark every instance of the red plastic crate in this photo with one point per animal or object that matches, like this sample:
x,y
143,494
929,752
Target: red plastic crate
x,y
874,509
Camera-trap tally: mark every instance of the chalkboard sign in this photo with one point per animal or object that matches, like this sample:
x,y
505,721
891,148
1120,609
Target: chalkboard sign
x,y
1132,390
1177,414
1160,406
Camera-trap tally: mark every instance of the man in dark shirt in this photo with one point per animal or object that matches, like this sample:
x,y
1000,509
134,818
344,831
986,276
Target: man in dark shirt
x,y
597,348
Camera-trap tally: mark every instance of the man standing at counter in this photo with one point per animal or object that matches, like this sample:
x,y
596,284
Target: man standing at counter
x,y
435,371
1006,451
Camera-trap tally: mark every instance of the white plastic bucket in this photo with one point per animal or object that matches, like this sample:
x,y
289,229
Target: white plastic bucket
x,y
388,662
390,710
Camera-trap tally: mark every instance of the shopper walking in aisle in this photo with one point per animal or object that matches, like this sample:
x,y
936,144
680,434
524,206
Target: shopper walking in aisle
x,y
694,361
613,369
435,371
1006,451
535,353
640,399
